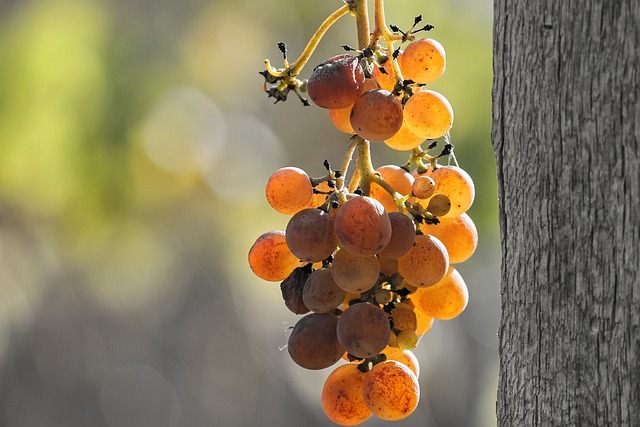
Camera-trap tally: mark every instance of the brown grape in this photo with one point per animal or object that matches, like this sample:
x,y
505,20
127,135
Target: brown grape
x,y
289,190
403,233
391,390
426,263
310,235
428,114
337,82
321,294
446,299
423,61
455,183
313,343
399,179
404,139
439,205
355,273
388,266
459,235
376,115
363,330
362,225
342,399
291,289
423,187
270,258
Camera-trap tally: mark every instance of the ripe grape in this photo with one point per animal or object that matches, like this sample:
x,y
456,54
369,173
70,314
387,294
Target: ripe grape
x,y
321,294
310,235
363,330
406,357
388,266
459,235
355,273
428,114
270,258
404,139
291,289
362,225
386,79
342,399
391,390
313,343
407,340
319,198
446,299
341,119
337,82
376,115
425,263
404,319
455,183
439,205
423,61
403,233
423,187
399,179
289,190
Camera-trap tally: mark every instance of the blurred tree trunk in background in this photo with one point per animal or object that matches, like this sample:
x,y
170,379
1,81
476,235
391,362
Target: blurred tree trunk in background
x,y
566,135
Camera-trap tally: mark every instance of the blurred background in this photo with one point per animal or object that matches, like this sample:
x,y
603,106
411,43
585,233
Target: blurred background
x,y
135,142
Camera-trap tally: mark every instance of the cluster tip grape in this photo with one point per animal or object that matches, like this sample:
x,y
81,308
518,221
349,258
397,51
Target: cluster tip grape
x,y
368,257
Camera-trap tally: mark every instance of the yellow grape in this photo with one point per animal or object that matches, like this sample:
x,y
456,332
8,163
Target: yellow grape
x,y
446,299
363,330
376,115
310,235
399,179
289,190
270,258
391,390
423,61
404,139
406,357
407,340
459,235
428,114
455,183
426,263
342,399
423,187
313,343
355,273
362,225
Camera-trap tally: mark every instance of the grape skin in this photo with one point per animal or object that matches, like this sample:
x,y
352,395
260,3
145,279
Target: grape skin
x,y
423,61
426,263
455,183
321,294
337,82
270,258
362,225
289,190
391,390
355,273
446,299
363,330
377,115
342,399
403,233
310,235
399,179
459,235
428,114
313,343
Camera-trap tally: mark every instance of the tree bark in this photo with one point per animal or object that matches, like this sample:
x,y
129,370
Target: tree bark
x,y
566,135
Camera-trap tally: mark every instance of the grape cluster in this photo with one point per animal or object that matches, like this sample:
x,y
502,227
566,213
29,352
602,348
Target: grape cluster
x,y
369,263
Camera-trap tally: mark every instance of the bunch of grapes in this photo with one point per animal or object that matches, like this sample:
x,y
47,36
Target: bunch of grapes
x,y
368,262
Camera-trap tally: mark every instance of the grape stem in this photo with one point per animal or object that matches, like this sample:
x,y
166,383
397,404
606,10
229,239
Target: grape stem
x,y
381,30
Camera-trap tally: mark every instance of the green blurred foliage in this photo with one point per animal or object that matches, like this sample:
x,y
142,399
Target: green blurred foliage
x,y
135,142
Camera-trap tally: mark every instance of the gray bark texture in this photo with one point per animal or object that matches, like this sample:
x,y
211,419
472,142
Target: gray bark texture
x,y
566,134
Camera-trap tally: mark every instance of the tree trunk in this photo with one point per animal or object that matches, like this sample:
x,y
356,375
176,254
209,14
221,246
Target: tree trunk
x,y
566,135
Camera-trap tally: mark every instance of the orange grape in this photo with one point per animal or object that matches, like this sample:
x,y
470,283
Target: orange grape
x,y
404,139
423,187
386,79
391,390
425,322
403,233
318,199
446,299
459,235
425,263
342,399
310,235
355,273
337,82
455,183
399,179
404,318
428,114
321,294
341,119
363,330
362,225
270,258
406,357
376,115
289,190
423,61
313,343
